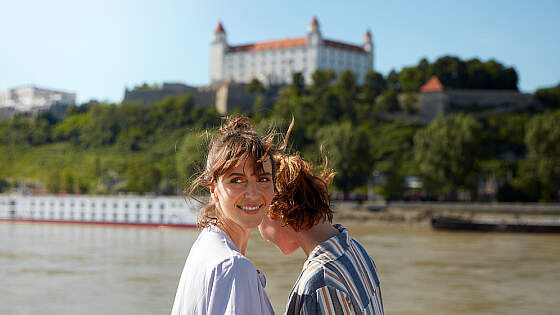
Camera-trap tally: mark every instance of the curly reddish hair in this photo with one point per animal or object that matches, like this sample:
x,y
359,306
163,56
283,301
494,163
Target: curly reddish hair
x,y
302,198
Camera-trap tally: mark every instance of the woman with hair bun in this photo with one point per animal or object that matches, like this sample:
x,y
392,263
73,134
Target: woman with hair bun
x,y
217,277
339,276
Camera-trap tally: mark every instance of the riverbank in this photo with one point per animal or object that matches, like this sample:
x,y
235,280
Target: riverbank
x,y
421,212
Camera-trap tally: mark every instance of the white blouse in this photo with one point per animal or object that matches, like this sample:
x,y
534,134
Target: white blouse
x,y
218,279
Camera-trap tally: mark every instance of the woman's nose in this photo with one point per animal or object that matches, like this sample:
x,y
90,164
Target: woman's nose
x,y
251,189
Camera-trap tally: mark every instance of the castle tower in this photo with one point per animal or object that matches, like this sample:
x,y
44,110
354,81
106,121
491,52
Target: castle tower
x,y
368,47
218,49
313,33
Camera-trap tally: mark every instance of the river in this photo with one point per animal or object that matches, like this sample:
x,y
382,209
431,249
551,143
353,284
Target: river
x,y
87,269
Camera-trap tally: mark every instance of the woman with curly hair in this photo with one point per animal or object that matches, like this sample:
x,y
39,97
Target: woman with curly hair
x,y
339,276
217,277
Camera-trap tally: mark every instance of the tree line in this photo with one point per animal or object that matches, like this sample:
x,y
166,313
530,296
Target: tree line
x,y
157,147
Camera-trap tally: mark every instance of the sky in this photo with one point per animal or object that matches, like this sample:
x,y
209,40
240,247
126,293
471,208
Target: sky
x,y
98,48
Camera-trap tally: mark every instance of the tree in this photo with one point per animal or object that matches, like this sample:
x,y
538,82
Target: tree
x,y
4,185
348,152
255,86
191,155
54,182
542,139
410,79
298,83
142,178
373,86
447,152
549,97
392,81
67,180
389,101
347,92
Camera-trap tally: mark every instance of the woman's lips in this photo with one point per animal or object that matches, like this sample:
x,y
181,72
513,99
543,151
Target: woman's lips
x,y
250,209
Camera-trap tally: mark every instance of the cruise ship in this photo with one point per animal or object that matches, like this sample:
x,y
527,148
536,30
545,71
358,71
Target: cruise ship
x,y
120,210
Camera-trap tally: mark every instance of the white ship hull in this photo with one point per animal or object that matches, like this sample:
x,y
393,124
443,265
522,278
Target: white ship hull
x,y
120,210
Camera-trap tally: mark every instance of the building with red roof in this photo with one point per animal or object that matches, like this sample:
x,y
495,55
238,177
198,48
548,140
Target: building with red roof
x,y
273,62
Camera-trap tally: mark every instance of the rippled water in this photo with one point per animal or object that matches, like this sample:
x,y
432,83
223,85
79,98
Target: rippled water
x,y
82,269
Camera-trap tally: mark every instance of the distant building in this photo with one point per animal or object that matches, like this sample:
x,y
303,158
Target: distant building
x,y
273,62
437,100
33,99
224,97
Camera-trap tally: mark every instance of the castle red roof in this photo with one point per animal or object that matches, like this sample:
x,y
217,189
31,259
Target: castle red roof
x,y
314,21
220,28
271,45
433,85
341,45
291,43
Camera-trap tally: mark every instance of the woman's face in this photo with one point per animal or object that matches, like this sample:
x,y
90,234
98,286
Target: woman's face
x,y
243,197
284,237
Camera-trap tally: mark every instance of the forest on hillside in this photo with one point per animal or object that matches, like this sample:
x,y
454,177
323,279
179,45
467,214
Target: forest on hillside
x,y
100,148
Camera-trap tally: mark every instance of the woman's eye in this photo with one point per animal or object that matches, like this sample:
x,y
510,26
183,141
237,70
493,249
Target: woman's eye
x,y
236,180
264,179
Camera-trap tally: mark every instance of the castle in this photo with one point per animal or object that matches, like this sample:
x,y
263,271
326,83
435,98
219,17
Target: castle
x,y
273,62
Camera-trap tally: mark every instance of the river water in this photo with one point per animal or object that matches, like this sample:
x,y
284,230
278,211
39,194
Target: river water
x,y
85,269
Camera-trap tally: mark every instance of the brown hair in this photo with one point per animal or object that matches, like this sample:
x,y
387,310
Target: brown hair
x,y
236,142
302,198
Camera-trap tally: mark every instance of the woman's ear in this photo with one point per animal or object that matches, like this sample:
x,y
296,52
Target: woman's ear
x,y
213,193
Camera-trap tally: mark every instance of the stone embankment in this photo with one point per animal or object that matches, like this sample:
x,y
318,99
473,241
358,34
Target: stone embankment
x,y
419,212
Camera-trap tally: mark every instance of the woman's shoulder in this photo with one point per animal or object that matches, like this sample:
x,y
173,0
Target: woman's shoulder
x,y
214,248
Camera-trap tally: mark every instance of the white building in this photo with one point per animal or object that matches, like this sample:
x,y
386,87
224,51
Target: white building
x,y
273,62
30,98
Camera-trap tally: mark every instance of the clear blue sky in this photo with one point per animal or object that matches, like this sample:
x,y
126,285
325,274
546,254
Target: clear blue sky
x,y
97,48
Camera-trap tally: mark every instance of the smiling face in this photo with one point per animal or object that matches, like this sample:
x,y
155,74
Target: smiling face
x,y
243,194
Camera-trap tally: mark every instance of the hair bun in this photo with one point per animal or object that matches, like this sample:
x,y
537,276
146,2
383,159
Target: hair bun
x,y
236,124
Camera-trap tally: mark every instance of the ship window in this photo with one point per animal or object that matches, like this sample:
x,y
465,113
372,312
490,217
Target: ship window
x,y
42,203
149,218
126,216
71,204
138,206
103,205
52,203
82,215
82,204
115,205
161,206
114,216
161,217
32,203
149,206
61,204
126,205
93,204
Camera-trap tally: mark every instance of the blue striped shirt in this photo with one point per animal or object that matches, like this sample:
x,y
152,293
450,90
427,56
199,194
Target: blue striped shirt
x,y
339,277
